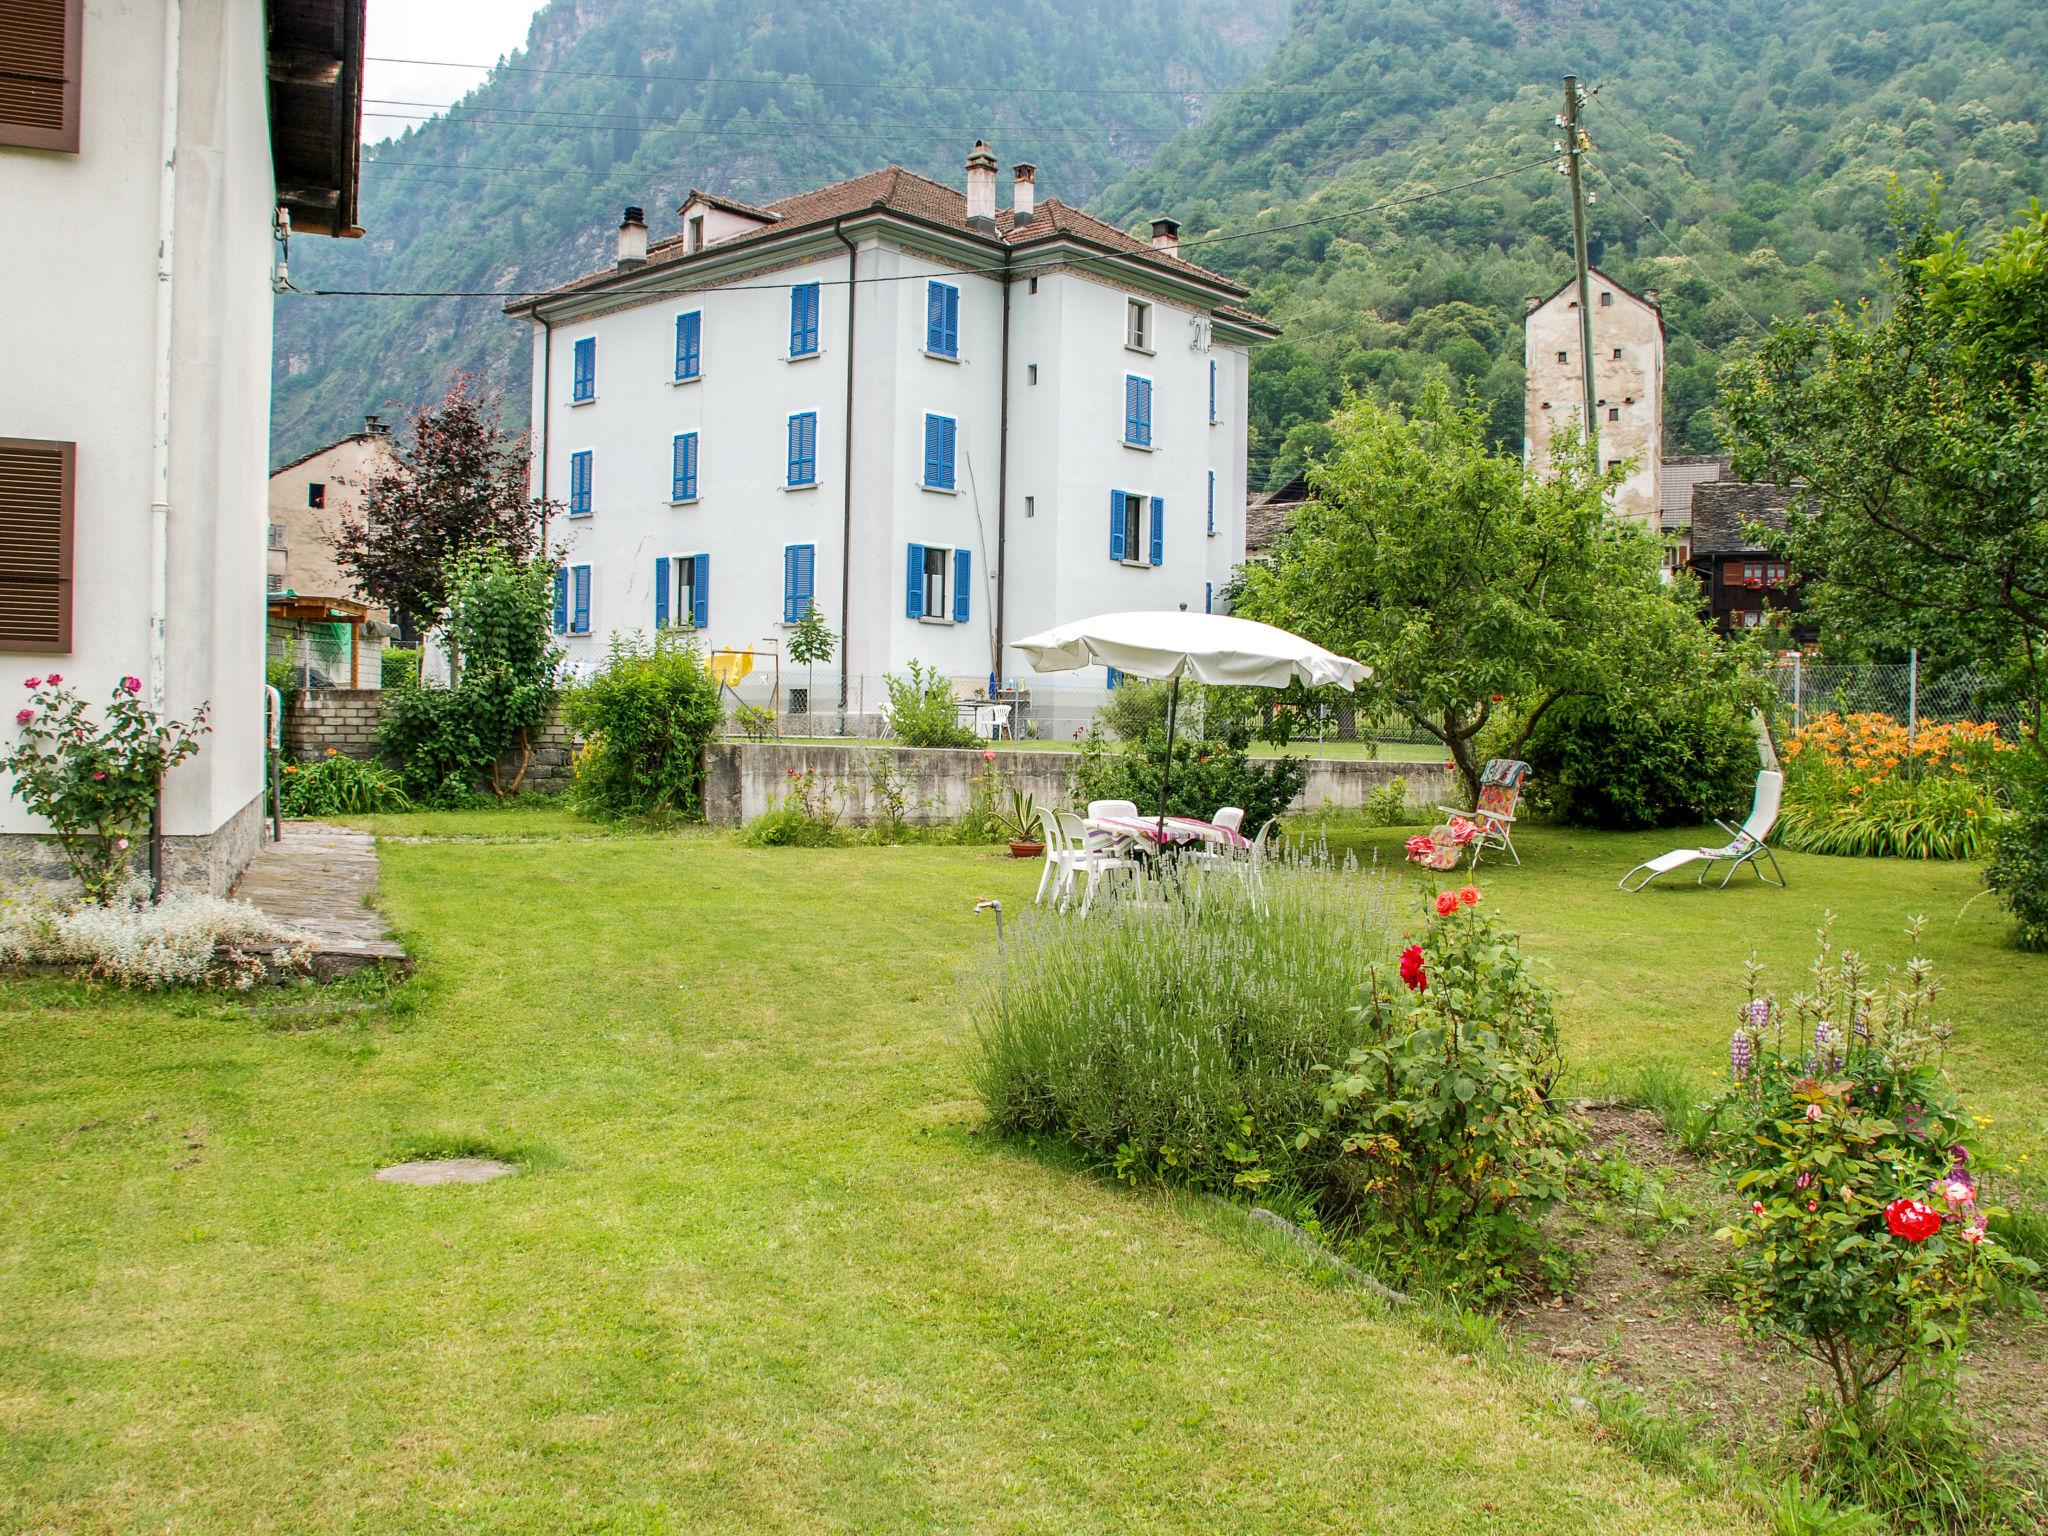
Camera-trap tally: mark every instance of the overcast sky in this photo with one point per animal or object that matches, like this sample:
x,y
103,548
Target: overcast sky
x,y
465,31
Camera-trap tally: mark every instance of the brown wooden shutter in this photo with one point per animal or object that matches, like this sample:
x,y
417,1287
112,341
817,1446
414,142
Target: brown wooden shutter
x,y
39,64
37,482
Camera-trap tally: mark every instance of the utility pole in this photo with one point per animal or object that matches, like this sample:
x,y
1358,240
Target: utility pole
x,y
1575,145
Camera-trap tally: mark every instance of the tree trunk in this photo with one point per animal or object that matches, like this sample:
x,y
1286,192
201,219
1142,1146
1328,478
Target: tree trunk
x,y
1458,736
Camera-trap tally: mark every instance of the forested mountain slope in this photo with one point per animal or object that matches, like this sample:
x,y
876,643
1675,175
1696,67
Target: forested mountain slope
x,y
636,101
1760,136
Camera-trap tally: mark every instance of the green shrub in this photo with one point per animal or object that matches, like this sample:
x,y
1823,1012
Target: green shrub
x,y
1207,775
399,667
806,818
1179,1040
1867,1244
1134,709
448,741
756,721
2019,862
1675,763
1450,1145
644,720
341,786
923,711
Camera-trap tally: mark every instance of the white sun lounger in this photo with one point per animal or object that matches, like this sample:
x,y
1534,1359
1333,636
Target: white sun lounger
x,y
1747,843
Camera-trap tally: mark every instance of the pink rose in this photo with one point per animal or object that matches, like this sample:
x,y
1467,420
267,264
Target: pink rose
x,y
31,682
55,678
989,755
1813,1111
121,843
132,684
99,775
23,716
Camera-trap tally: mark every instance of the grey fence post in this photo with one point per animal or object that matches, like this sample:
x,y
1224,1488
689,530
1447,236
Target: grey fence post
x,y
1912,695
1798,686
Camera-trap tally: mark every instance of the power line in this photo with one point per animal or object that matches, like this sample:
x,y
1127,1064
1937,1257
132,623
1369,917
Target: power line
x,y
872,83
1725,290
1063,260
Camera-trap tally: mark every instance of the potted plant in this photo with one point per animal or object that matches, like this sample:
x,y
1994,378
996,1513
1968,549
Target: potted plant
x,y
1016,818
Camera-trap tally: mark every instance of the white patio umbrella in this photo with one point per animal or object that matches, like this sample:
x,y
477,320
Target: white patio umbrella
x,y
1209,647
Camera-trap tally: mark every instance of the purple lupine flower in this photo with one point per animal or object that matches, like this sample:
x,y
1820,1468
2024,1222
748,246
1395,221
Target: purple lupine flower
x,y
1827,1046
1739,1055
1759,1012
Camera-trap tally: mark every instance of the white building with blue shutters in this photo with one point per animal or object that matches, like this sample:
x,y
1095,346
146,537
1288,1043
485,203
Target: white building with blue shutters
x,y
944,425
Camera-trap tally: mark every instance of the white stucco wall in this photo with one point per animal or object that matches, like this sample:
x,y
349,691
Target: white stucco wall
x,y
1065,455
78,243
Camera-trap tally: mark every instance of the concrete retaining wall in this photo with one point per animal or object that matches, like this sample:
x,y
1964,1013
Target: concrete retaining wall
x,y
745,779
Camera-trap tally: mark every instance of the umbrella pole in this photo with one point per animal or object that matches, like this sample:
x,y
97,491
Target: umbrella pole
x,y
1166,773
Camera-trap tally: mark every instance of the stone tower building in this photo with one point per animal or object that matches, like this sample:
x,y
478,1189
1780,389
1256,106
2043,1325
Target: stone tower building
x,y
1628,384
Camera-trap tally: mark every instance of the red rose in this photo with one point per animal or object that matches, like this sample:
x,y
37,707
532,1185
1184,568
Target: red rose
x,y
1446,904
1411,968
1756,1207
1469,896
1912,1220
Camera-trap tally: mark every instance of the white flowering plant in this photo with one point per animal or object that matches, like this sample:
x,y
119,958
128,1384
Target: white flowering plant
x,y
94,783
187,939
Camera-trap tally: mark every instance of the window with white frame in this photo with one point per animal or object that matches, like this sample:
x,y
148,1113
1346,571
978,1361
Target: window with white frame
x,y
942,319
937,583
682,591
803,449
689,345
1138,325
939,435
1137,528
572,600
683,468
579,483
803,320
799,580
583,376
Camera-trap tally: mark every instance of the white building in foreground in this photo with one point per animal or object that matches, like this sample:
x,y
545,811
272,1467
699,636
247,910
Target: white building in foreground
x,y
944,425
146,154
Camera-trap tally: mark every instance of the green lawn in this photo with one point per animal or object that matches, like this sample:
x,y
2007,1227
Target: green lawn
x,y
760,1273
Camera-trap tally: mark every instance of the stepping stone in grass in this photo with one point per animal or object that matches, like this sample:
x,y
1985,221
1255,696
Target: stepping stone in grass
x,y
449,1170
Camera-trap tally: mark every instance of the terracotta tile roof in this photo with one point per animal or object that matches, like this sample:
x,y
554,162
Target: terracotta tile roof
x,y
896,190
729,204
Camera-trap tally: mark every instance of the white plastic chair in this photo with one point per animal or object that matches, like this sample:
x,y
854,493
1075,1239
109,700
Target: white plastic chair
x,y
1127,808
1252,863
1059,858
1747,843
1092,856
1220,855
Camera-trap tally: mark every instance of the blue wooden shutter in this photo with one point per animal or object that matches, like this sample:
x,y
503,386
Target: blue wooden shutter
x,y
1208,597
1212,501
586,369
1111,678
561,599
1131,382
962,587
700,594
803,319
1145,412
579,621
803,448
1116,525
913,601
661,592
789,613
689,344
579,483
942,319
931,450
952,321
1212,389
806,577
1158,530
683,471
938,452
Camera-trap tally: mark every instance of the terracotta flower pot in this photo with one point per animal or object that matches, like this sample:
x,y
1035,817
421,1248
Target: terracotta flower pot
x,y
1027,850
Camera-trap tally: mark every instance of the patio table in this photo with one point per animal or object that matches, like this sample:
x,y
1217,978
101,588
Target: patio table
x,y
1178,831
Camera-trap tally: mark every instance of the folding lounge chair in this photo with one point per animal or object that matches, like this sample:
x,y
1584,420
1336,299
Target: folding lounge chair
x,y
1500,790
1746,843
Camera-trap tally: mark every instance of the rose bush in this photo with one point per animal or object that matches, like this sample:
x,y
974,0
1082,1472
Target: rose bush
x,y
94,784
1449,1145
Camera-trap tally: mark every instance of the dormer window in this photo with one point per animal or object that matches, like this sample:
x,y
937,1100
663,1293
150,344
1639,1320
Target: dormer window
x,y
693,241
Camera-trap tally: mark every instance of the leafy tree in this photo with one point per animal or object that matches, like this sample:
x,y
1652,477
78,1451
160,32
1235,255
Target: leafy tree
x,y
448,740
1465,581
810,643
1917,437
456,482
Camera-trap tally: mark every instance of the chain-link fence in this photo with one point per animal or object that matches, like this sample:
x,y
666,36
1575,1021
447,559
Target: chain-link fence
x,y
806,704
1903,690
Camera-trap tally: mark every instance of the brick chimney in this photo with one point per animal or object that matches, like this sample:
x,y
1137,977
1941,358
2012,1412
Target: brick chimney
x,y
981,188
633,239
1166,236
1023,193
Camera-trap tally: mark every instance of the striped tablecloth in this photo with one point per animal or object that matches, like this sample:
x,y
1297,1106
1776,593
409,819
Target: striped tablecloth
x,y
1177,831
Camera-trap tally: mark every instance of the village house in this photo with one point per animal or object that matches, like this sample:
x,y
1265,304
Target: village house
x,y
943,424
1743,583
151,156
1628,385
319,620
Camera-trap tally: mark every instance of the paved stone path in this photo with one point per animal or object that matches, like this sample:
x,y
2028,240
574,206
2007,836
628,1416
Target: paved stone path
x,y
451,1170
320,879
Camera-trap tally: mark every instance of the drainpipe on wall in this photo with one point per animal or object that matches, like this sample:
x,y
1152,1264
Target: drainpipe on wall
x,y
846,468
1002,484
547,381
160,420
